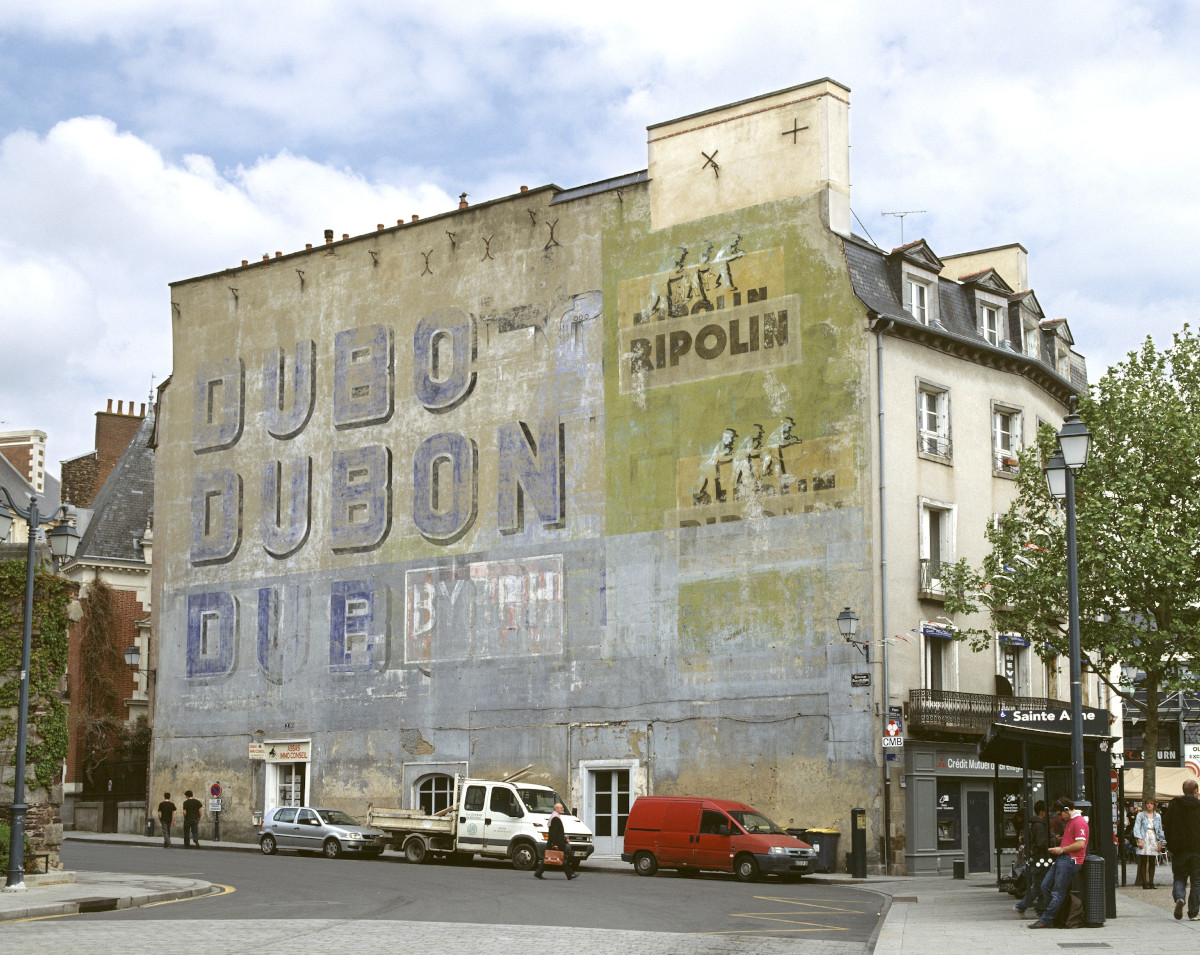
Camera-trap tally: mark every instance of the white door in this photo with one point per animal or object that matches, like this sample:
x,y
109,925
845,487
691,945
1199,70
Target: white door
x,y
607,808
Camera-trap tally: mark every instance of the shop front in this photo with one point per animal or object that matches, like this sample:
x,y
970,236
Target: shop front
x,y
958,810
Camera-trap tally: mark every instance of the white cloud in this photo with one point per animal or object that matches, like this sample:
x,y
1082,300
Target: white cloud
x,y
237,129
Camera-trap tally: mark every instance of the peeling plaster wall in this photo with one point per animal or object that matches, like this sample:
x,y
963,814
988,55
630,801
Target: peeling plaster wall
x,y
530,484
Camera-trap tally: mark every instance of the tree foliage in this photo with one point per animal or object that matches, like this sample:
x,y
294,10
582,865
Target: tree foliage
x,y
1138,536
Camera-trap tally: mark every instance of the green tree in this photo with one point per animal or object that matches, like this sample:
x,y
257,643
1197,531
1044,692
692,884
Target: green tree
x,y
1138,537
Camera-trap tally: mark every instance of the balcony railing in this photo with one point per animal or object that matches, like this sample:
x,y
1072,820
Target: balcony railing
x,y
1006,462
930,442
936,712
930,577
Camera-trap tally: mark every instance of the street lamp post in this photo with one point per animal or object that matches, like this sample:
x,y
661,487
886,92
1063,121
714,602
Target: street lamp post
x,y
63,541
1074,443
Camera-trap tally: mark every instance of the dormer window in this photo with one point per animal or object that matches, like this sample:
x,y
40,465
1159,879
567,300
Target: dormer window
x,y
989,323
918,300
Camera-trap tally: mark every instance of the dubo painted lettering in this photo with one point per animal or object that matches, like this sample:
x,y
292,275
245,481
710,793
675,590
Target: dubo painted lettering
x,y
530,462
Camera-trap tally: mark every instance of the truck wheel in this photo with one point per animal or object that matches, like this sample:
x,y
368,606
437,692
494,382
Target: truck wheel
x,y
414,851
745,868
645,864
333,848
267,844
524,857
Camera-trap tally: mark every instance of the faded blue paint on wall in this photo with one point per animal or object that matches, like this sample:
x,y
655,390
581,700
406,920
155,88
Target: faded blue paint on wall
x,y
356,644
282,419
362,376
443,350
362,498
218,406
530,468
211,634
287,505
216,517
445,487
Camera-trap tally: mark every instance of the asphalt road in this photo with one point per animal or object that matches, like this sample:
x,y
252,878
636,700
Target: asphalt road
x,y
288,886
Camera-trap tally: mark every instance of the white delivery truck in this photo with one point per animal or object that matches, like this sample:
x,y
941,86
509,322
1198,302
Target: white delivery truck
x,y
489,818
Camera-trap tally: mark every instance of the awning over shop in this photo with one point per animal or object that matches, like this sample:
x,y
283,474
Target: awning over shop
x,y
1168,782
1035,748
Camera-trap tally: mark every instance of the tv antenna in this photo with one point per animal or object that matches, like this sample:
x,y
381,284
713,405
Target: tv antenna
x,y
900,216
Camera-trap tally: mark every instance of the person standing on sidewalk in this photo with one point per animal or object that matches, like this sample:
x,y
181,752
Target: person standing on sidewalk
x,y
1037,853
191,820
1069,858
1148,834
557,840
166,816
1182,822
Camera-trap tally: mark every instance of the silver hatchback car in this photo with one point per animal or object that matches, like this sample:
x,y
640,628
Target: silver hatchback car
x,y
330,831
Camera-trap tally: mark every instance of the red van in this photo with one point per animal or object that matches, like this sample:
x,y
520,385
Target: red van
x,y
689,834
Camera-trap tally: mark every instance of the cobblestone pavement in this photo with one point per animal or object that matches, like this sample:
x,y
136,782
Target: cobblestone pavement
x,y
56,936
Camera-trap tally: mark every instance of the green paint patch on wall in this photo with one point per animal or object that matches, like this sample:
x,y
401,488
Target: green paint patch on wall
x,y
755,611
677,295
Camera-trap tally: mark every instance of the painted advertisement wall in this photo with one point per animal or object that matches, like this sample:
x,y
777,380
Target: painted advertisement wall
x,y
529,484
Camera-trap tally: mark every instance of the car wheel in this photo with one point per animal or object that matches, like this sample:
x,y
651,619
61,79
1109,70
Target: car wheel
x,y
745,868
333,848
267,844
414,851
524,857
645,864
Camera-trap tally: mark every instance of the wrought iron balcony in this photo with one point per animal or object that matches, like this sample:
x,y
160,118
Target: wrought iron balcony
x,y
1005,462
935,713
930,580
930,442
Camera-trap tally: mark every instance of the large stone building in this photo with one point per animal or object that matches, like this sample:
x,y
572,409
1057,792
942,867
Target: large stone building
x,y
579,480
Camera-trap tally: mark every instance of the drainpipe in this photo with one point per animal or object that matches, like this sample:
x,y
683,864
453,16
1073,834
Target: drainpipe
x,y
881,327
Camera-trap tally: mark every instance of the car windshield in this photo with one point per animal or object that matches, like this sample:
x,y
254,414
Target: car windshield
x,y
539,800
335,817
755,822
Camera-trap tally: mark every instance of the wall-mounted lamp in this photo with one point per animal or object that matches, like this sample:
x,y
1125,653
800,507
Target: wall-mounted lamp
x,y
847,624
133,656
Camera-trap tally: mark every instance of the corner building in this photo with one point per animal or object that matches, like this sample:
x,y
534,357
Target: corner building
x,y
576,480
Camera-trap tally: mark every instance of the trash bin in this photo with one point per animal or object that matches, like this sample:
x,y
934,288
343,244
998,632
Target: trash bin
x,y
150,826
1092,891
825,842
960,868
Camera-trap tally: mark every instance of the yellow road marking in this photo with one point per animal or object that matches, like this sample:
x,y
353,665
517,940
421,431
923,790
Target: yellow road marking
x,y
225,890
784,917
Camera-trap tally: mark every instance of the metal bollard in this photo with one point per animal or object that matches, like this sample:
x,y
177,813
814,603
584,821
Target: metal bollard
x,y
1092,890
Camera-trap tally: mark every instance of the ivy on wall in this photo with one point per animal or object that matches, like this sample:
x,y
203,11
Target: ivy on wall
x,y
99,711
46,742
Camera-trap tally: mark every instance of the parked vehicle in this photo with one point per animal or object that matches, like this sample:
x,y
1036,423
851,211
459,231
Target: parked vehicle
x,y
692,834
312,829
492,819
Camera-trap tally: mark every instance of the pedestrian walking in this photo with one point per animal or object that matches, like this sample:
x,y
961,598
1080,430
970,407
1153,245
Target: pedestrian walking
x,y
557,840
166,816
191,820
1068,856
1182,824
1149,837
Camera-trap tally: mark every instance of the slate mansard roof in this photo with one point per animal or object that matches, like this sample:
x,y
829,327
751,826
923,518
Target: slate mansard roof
x,y
878,283
125,504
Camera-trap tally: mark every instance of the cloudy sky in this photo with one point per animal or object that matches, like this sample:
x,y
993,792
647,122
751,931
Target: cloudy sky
x,y
147,141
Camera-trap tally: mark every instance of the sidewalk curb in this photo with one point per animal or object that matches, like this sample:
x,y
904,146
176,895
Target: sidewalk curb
x,y
72,907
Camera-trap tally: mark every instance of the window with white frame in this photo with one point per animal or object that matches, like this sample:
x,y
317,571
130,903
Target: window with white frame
x,y
937,532
1006,437
933,419
435,793
1014,662
989,324
918,299
937,659
1032,345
